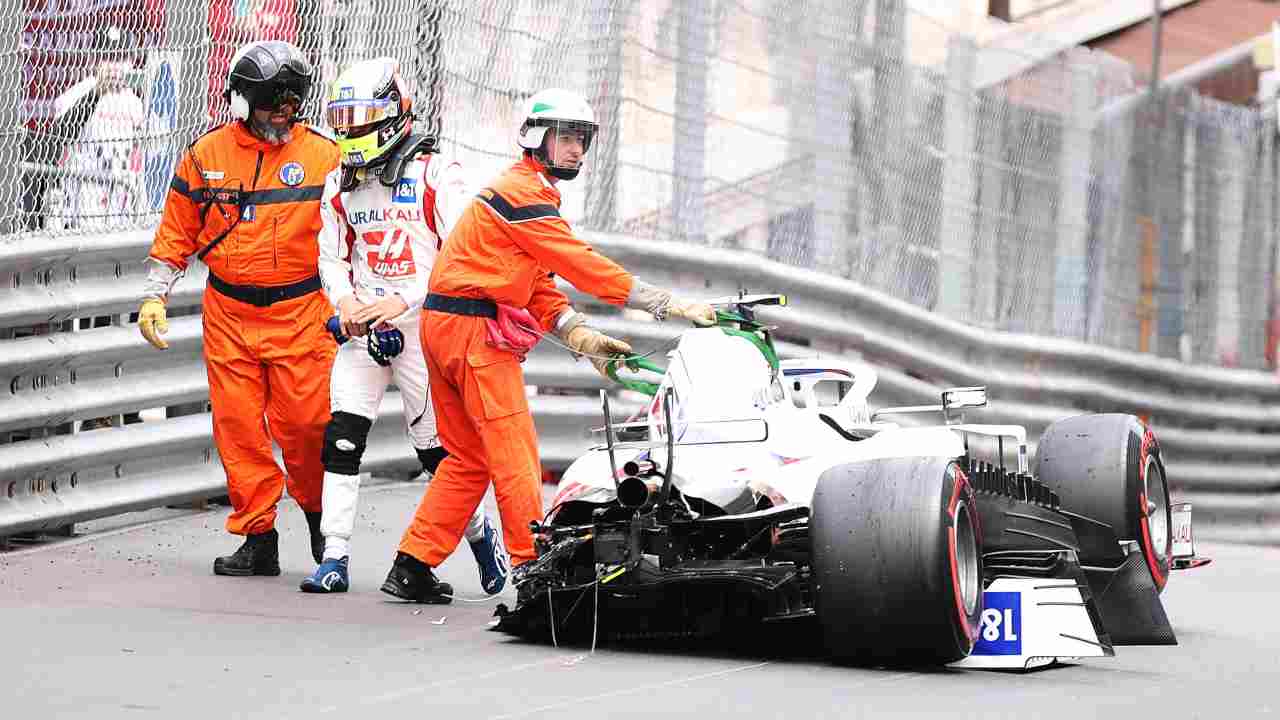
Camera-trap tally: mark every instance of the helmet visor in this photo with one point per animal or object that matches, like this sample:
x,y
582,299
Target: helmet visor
x,y
564,145
567,133
342,115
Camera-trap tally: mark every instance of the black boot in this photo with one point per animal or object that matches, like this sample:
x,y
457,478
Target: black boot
x,y
411,579
317,540
259,555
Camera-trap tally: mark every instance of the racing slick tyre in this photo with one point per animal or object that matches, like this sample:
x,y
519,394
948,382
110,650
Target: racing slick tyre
x,y
1108,468
897,561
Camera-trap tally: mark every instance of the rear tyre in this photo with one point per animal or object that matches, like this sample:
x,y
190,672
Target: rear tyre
x,y
897,561
1108,468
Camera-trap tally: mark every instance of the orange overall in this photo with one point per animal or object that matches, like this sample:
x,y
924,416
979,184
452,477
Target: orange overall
x,y
266,351
504,248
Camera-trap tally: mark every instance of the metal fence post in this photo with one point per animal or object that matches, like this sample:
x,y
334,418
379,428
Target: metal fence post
x,y
428,71
186,32
889,112
832,149
1254,268
608,23
1231,194
956,271
1075,177
12,130
1166,207
689,151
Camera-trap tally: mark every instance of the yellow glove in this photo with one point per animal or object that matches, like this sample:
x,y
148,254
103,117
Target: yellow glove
x,y
698,313
597,346
153,322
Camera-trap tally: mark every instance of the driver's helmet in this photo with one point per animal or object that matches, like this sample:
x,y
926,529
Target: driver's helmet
x,y
558,111
264,75
370,111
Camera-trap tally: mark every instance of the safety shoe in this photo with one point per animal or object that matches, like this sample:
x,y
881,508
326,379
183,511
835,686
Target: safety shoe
x,y
413,580
259,555
491,559
520,577
330,577
317,539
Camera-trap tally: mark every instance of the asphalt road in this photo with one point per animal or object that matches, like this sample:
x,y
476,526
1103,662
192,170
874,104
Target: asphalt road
x,y
131,622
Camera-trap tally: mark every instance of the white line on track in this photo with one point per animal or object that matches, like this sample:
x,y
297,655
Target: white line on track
x,y
418,689
632,690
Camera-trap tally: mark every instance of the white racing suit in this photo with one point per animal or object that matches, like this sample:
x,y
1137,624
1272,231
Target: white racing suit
x,y
376,241
106,187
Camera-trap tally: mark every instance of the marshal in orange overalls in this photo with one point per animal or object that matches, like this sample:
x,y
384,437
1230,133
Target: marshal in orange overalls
x,y
266,351
504,249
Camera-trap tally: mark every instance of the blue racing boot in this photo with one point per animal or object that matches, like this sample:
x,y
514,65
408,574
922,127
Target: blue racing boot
x,y
491,559
330,577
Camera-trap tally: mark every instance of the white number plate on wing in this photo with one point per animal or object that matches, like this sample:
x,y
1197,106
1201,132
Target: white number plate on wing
x,y
1183,543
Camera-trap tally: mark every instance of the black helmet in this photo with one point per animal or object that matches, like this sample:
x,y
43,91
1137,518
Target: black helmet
x,y
263,75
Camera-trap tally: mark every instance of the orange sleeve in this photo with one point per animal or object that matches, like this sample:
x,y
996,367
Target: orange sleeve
x,y
180,225
547,302
550,241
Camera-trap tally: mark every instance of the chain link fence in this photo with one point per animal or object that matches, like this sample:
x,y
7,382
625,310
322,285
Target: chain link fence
x,y
851,136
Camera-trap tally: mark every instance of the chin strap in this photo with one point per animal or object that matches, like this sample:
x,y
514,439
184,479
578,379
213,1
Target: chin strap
x,y
351,177
412,147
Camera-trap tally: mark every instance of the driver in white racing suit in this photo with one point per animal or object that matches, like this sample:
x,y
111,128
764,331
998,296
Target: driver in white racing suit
x,y
385,211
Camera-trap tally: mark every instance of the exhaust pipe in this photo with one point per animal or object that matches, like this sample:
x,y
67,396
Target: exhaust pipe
x,y
633,492
640,468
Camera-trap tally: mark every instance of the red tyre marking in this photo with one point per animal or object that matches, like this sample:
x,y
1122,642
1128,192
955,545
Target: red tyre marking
x,y
971,630
1159,573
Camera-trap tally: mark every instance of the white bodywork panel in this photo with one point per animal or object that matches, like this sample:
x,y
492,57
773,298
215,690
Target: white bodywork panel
x,y
718,377
1032,622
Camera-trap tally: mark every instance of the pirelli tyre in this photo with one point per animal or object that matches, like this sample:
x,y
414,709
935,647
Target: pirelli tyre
x,y
1108,467
897,561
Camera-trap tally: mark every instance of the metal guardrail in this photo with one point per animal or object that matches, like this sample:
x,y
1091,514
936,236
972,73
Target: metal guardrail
x,y
1220,428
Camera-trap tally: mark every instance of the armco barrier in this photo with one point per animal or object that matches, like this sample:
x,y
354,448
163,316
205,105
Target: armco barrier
x,y
1220,428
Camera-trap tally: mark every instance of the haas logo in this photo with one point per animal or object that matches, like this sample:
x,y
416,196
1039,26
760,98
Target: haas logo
x,y
390,254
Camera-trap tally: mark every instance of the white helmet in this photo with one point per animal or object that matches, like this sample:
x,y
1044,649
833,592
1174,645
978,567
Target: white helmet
x,y
560,110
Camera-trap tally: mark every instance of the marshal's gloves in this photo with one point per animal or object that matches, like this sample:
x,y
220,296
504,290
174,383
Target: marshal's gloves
x,y
597,346
698,313
153,322
385,344
662,304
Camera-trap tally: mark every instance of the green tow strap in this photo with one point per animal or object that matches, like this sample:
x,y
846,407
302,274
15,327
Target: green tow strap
x,y
636,363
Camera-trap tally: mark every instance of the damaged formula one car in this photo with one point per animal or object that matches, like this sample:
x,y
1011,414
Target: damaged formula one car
x,y
757,492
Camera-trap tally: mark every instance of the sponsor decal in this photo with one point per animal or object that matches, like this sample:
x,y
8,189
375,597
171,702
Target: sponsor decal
x,y
346,93
389,253
378,215
1000,632
213,175
292,174
406,191
249,214
355,158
